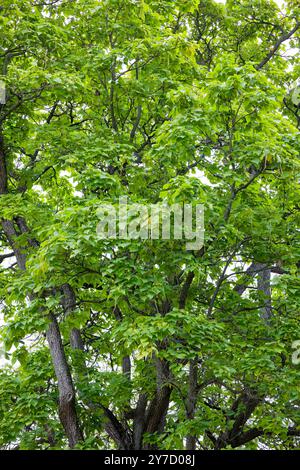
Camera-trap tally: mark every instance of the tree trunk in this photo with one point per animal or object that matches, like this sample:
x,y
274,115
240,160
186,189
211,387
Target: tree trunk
x,y
67,407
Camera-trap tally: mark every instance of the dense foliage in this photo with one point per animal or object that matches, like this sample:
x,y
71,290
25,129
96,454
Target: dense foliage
x,y
138,344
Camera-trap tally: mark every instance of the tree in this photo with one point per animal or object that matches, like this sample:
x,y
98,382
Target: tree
x,y
142,344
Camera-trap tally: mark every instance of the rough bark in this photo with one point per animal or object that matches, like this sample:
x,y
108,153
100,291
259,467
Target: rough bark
x,y
68,302
126,362
185,289
191,402
67,408
139,421
249,274
158,407
264,286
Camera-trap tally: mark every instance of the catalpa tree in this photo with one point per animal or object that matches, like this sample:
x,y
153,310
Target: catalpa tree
x,y
111,343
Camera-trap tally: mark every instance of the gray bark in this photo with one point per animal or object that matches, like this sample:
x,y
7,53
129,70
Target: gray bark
x,y
264,286
191,402
67,407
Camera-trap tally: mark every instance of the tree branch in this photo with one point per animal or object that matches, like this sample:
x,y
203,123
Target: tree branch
x,y
284,37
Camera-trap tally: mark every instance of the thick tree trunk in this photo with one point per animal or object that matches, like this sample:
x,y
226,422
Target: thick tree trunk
x,y
67,407
158,407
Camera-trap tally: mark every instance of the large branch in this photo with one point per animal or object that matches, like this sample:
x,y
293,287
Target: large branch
x,y
242,408
139,421
249,274
264,286
158,407
3,169
126,362
67,406
284,37
192,401
114,428
185,289
253,433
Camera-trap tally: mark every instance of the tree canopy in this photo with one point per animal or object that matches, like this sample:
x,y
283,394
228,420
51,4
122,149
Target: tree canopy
x,y
142,344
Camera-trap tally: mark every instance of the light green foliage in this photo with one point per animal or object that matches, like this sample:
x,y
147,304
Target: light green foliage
x,y
139,98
